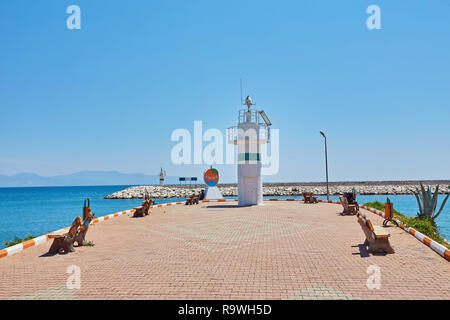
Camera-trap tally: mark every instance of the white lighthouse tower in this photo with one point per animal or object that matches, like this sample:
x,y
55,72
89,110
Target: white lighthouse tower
x,y
162,175
253,129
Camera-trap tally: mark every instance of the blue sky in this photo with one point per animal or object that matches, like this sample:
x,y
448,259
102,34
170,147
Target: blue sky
x,y
108,96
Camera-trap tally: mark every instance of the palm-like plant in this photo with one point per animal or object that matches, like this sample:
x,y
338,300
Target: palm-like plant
x,y
428,202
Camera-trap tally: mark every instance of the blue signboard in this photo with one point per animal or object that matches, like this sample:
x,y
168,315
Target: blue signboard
x,y
185,179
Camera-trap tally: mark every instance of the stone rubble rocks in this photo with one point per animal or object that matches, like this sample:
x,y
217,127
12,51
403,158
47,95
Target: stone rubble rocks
x,y
156,192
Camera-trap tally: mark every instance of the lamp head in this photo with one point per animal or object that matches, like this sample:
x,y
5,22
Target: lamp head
x,y
323,134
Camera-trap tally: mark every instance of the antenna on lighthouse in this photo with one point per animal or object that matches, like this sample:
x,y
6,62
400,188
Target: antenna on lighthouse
x,y
242,102
248,100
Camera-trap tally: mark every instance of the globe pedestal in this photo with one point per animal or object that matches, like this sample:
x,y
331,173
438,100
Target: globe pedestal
x,y
211,178
212,193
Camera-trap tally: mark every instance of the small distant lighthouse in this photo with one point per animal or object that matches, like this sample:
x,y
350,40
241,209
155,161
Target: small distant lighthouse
x,y
253,129
162,175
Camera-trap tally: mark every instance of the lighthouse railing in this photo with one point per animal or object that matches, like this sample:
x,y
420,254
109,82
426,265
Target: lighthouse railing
x,y
263,134
246,115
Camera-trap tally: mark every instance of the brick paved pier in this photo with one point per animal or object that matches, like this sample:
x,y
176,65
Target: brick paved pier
x,y
282,250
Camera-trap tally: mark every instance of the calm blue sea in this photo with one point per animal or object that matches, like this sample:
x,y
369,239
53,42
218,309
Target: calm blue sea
x,y
39,210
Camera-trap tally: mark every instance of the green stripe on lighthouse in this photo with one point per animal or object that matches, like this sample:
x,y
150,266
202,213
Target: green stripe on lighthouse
x,y
249,157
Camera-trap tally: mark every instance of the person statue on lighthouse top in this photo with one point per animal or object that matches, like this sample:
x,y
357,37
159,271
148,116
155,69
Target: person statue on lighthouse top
x,y
249,102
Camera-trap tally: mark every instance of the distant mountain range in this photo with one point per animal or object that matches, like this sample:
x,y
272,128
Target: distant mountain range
x,y
83,178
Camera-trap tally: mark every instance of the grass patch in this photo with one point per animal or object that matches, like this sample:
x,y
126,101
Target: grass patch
x,y
17,240
423,225
89,244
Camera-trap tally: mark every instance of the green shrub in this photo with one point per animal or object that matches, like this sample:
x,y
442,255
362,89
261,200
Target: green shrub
x,y
17,240
425,226
89,244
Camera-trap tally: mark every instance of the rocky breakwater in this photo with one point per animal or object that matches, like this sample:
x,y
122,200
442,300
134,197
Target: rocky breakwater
x,y
138,192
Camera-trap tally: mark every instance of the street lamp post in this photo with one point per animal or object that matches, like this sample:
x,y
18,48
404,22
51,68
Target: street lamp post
x,y
326,162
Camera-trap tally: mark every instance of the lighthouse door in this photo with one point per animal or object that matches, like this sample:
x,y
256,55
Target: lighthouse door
x,y
250,187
